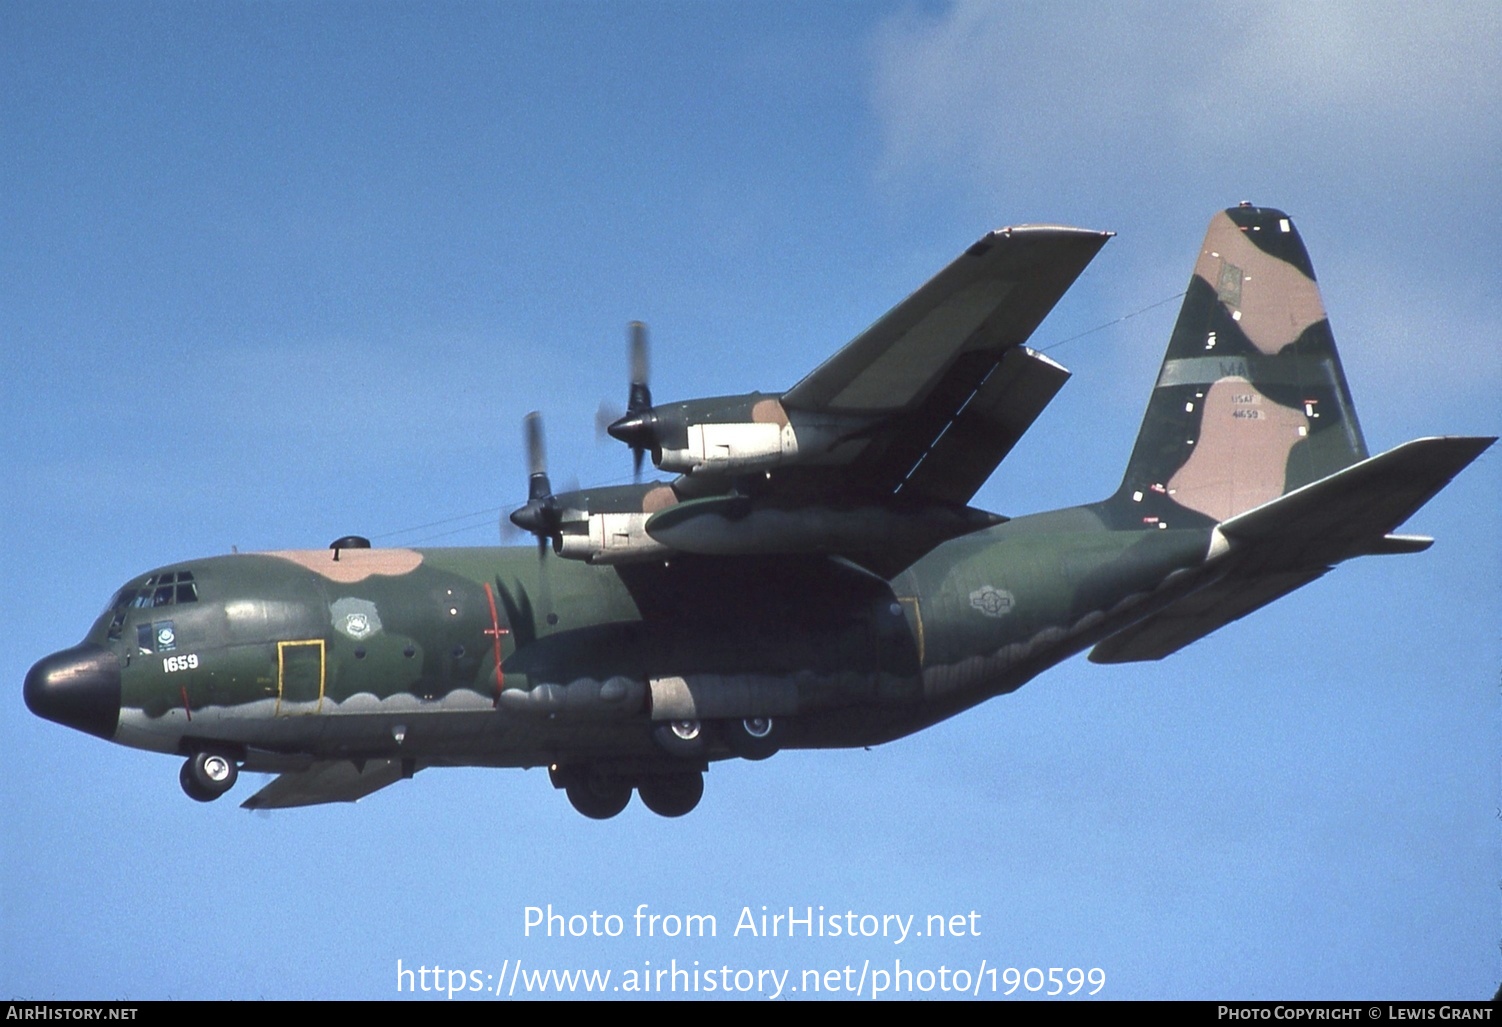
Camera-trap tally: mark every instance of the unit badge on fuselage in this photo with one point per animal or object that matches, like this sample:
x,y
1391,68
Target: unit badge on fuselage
x,y
356,618
992,601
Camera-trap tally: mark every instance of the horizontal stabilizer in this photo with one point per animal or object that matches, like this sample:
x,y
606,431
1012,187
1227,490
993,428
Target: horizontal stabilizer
x,y
326,781
1351,512
1284,544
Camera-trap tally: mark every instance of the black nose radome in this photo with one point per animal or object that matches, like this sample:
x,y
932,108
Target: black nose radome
x,y
78,687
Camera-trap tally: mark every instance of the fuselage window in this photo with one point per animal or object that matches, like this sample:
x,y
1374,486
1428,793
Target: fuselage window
x,y
160,637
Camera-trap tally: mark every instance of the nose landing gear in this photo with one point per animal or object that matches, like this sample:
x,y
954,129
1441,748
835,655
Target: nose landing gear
x,y
208,775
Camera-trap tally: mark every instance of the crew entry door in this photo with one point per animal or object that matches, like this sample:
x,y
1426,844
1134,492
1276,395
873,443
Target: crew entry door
x,y
301,671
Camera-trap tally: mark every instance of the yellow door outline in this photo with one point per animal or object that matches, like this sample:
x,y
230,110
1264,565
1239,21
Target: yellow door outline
x,y
917,621
281,672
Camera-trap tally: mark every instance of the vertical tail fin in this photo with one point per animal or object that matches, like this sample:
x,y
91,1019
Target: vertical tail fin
x,y
1251,402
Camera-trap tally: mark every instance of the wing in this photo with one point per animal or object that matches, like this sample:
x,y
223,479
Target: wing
x,y
943,377
875,455
326,781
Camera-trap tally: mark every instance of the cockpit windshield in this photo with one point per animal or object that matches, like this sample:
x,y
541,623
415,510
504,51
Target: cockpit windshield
x,y
167,589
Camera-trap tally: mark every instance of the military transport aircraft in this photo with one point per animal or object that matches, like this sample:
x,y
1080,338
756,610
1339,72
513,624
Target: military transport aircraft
x,y
813,577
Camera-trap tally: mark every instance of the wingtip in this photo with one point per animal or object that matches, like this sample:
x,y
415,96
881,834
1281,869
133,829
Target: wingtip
x,y
1051,229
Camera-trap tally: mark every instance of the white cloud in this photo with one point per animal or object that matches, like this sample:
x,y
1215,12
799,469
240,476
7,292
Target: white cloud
x,y
1136,98
1376,125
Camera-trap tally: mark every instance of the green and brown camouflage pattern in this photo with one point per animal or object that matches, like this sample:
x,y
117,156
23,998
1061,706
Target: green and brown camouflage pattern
x,y
1251,401
347,668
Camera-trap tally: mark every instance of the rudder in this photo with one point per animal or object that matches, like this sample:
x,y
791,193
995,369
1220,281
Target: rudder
x,y
1251,401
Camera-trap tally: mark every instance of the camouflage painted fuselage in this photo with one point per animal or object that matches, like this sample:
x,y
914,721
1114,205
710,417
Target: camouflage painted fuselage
x,y
833,591
299,654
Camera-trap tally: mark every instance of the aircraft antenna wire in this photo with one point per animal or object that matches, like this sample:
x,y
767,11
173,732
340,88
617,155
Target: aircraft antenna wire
x,y
1114,321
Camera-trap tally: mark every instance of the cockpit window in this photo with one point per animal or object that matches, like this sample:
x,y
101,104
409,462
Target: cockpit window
x,y
173,587
160,590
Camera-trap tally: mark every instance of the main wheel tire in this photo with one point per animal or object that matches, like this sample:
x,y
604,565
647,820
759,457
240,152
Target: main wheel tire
x,y
682,738
754,738
597,798
208,775
671,795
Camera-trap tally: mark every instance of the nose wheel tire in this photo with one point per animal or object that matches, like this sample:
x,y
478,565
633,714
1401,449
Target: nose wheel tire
x,y
207,775
671,795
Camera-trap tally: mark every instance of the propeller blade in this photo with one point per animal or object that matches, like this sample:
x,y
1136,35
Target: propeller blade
x,y
641,394
538,486
637,426
605,416
541,515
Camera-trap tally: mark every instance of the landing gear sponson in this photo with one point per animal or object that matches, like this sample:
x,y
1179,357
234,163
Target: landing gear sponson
x,y
668,792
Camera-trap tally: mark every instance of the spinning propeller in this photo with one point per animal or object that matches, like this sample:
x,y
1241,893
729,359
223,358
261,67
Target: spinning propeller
x,y
637,427
542,515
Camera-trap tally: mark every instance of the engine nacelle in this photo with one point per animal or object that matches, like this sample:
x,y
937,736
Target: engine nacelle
x,y
609,538
731,448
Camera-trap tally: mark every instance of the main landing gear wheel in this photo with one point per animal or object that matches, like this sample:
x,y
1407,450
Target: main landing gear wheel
x,y
597,798
682,738
671,795
208,775
754,738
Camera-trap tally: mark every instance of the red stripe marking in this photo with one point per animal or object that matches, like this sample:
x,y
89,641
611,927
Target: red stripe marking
x,y
183,690
495,631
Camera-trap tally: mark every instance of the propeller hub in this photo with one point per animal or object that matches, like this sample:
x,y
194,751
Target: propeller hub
x,y
637,430
535,519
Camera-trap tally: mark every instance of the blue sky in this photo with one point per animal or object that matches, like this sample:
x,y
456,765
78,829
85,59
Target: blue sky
x,y
271,274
